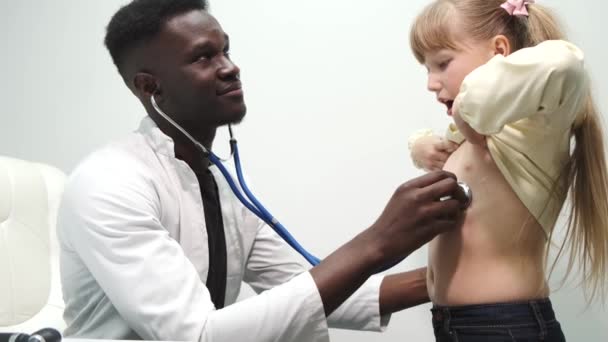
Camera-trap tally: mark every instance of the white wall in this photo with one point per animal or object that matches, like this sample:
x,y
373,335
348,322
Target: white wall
x,y
333,93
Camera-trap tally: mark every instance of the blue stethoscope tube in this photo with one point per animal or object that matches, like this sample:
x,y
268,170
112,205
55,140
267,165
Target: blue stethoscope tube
x,y
254,205
248,199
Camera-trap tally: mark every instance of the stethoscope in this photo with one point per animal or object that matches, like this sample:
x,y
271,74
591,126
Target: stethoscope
x,y
247,198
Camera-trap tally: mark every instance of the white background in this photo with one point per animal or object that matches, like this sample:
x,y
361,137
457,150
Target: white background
x,y
333,93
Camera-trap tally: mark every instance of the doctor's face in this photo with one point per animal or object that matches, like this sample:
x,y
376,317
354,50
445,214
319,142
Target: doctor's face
x,y
199,84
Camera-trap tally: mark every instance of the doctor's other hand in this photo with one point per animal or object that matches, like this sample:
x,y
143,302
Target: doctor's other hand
x,y
431,152
415,214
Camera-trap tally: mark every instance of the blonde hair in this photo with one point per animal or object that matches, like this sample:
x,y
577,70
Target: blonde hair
x,y
586,173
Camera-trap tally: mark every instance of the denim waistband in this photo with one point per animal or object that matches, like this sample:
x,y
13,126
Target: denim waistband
x,y
534,312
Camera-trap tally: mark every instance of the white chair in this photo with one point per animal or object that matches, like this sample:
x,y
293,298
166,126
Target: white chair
x,y
30,288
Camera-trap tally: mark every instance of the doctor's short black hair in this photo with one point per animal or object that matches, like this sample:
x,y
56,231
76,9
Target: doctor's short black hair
x,y
141,20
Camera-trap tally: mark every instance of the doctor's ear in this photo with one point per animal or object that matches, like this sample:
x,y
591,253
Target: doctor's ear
x,y
146,85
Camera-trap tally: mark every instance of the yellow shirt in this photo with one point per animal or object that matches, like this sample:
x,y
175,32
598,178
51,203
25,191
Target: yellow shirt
x,y
526,104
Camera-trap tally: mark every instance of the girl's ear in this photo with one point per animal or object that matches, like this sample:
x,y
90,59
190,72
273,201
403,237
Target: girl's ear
x,y
501,45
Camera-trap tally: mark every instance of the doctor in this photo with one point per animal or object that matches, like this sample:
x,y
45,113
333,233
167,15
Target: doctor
x,y
154,245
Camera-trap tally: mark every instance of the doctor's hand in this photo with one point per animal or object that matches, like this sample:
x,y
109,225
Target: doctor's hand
x,y
413,216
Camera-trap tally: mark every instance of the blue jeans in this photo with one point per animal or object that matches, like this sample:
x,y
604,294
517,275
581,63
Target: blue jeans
x,y
528,321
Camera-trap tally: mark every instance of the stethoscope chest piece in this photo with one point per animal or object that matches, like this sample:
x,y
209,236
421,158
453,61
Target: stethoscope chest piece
x,y
467,191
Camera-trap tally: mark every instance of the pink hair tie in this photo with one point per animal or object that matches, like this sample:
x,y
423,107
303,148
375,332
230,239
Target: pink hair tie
x,y
517,7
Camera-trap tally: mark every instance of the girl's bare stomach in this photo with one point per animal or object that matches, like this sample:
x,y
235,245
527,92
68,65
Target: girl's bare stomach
x,y
497,254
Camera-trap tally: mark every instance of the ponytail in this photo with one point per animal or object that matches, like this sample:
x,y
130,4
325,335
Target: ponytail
x,y
587,230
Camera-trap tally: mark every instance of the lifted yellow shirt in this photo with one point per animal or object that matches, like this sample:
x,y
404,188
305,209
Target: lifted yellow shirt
x,y
526,104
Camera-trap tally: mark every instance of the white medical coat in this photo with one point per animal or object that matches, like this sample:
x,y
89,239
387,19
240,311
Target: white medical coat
x,y
134,257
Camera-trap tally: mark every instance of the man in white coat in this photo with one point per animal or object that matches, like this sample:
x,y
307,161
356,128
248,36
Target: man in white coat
x,y
154,245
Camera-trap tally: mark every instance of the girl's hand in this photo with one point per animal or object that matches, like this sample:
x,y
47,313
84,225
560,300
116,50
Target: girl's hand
x,y
431,152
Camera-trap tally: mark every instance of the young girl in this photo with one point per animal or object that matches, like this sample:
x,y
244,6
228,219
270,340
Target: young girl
x,y
518,94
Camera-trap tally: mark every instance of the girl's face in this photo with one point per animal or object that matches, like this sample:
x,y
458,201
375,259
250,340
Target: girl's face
x,y
447,67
